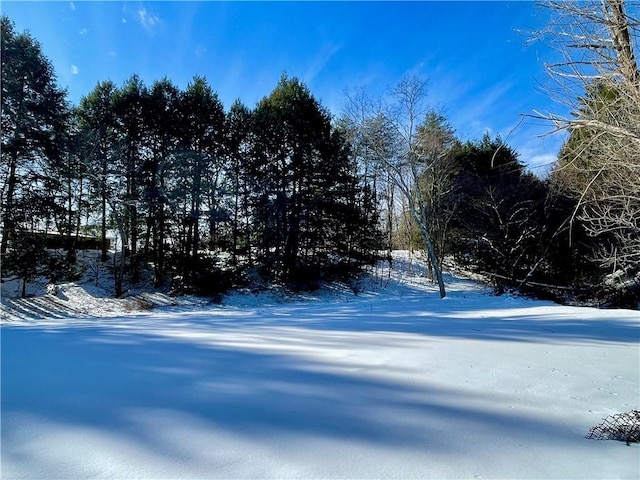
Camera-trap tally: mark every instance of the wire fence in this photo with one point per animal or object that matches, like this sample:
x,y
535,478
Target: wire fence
x,y
621,426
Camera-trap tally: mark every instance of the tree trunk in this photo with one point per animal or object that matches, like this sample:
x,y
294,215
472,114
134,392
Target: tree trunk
x,y
623,46
7,221
430,252
103,226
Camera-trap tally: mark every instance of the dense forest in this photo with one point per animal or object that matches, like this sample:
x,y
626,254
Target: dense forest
x,y
177,190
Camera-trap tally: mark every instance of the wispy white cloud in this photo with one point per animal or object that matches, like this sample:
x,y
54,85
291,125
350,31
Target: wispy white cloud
x,y
72,6
542,159
538,152
74,69
479,128
148,20
83,31
486,103
416,70
539,163
320,61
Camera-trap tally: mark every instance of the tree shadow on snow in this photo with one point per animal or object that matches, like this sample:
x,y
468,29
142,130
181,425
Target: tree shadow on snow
x,y
479,317
118,380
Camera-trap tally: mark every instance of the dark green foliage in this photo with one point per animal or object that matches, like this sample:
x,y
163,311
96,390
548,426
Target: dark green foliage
x,y
204,197
597,174
515,227
201,150
27,258
307,203
206,275
129,106
97,140
208,200
238,128
501,222
489,209
162,124
34,119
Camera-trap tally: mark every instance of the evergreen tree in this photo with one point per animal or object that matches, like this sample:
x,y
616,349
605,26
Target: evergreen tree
x,y
129,105
162,125
436,182
198,168
34,121
238,148
499,225
96,121
171,172
598,78
27,257
302,182
66,186
203,122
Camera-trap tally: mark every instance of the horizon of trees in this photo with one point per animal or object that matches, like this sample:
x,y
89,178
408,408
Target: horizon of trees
x,y
204,199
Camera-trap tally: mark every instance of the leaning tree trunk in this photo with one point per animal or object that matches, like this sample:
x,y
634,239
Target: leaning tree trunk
x,y
431,252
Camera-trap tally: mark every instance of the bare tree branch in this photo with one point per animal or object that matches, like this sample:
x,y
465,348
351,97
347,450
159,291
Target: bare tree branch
x,y
598,78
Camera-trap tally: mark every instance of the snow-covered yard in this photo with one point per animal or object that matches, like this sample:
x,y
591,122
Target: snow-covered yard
x,y
390,383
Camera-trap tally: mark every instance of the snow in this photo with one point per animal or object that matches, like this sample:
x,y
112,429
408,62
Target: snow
x,y
390,383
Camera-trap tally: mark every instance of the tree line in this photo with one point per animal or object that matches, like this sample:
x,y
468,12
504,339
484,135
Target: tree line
x,y
471,201
204,199
475,201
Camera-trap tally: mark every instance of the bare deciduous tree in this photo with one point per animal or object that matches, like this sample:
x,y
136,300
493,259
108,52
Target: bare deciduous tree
x,y
598,78
405,138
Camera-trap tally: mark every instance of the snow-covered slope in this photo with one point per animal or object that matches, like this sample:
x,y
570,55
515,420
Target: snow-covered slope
x,y
390,383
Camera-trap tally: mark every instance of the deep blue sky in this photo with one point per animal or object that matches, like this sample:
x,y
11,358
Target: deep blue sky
x,y
476,55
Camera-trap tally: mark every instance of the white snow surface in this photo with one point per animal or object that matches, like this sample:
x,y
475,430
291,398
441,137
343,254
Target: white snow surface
x,y
391,383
